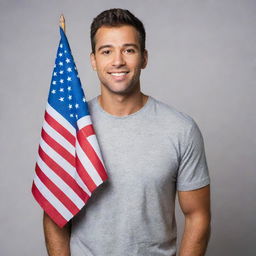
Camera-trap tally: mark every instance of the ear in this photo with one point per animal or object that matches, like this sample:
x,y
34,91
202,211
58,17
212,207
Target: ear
x,y
93,61
144,59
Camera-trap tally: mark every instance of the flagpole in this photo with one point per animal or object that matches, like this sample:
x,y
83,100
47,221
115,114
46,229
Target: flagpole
x,y
62,23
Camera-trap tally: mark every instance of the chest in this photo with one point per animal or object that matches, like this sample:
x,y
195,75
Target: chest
x,y
139,153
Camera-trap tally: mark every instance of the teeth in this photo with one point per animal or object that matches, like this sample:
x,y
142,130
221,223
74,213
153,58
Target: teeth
x,y
118,74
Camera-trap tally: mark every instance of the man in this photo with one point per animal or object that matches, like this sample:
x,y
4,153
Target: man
x,y
150,150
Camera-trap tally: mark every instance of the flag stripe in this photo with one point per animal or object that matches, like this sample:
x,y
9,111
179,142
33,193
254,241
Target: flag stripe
x,y
64,165
59,128
87,150
58,148
49,196
60,119
82,185
94,143
87,161
71,182
88,181
58,158
59,138
87,130
60,183
84,121
48,207
58,193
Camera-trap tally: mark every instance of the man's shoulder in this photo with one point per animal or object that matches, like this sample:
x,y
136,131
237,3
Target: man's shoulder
x,y
171,115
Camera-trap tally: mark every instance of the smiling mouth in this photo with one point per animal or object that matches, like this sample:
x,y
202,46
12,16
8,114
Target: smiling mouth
x,y
118,73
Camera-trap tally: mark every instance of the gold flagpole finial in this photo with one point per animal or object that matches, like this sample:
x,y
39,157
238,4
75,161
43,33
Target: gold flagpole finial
x,y
62,22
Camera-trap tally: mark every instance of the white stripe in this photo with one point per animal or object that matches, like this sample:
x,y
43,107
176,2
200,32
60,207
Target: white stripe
x,y
92,172
59,118
94,143
66,166
84,121
60,139
49,196
68,191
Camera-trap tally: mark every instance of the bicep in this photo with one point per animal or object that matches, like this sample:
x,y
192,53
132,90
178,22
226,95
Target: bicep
x,y
195,201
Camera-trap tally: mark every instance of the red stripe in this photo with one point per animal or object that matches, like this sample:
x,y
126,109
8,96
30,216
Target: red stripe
x,y
59,128
48,207
58,148
92,155
84,176
56,191
66,177
87,130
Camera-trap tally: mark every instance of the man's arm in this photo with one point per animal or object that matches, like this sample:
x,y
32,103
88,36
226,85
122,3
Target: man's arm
x,y
195,205
57,239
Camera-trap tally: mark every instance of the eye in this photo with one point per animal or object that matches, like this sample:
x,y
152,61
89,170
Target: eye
x,y
106,52
130,50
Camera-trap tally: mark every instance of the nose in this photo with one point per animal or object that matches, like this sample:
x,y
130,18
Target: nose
x,y
118,59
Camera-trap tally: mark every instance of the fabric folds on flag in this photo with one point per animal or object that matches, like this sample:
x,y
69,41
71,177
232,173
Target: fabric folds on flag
x,y
69,166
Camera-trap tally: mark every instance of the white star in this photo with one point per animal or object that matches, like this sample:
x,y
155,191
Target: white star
x,y
53,82
70,106
61,45
61,81
67,60
75,68
69,88
71,115
76,116
53,91
60,54
77,75
61,72
69,78
61,89
70,97
55,65
77,105
61,63
54,73
61,98
83,99
69,69
65,51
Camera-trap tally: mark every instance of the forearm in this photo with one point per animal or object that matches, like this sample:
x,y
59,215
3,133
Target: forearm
x,y
196,236
57,239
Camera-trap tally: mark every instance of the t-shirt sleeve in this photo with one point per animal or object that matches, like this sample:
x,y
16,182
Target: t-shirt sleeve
x,y
193,170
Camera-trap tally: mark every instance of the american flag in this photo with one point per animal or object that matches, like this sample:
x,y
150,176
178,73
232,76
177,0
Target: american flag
x,y
69,166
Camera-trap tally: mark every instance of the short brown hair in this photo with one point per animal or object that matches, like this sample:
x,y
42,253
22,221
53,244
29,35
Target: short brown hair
x,y
117,17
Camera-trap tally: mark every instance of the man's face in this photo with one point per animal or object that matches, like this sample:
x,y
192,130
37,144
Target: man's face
x,y
118,59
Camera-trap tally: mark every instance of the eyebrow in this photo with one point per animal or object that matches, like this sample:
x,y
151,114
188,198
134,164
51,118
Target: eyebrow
x,y
111,46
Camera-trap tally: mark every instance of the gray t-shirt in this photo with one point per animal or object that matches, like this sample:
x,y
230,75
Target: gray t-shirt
x,y
148,155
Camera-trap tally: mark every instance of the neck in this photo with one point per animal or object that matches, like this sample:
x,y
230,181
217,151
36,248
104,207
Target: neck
x,y
122,105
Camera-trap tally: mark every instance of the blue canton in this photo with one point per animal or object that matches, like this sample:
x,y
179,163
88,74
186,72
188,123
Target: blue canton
x,y
66,95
